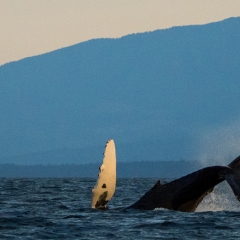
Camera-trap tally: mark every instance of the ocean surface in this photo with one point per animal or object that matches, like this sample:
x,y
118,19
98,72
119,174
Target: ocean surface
x,y
55,208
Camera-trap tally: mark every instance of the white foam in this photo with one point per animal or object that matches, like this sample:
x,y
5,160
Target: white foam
x,y
221,199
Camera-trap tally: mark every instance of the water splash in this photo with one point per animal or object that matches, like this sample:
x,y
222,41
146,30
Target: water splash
x,y
221,145
221,199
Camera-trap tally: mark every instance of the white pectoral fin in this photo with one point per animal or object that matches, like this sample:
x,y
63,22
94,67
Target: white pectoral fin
x,y
106,183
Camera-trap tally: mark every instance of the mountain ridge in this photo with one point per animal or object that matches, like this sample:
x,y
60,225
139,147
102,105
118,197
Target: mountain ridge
x,y
155,93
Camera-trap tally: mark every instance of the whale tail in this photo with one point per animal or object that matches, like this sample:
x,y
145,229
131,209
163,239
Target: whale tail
x,y
233,177
235,165
106,183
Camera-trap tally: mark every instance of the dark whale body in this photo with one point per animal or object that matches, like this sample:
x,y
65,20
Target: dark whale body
x,y
185,193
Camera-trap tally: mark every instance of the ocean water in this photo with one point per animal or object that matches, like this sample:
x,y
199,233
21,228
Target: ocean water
x,y
60,209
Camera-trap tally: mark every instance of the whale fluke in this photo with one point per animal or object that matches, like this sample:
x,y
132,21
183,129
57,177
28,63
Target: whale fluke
x,y
106,183
233,177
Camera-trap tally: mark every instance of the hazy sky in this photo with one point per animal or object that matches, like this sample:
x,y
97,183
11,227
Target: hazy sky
x,y
32,27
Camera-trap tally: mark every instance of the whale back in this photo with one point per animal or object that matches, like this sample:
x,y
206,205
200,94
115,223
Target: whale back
x,y
185,194
106,183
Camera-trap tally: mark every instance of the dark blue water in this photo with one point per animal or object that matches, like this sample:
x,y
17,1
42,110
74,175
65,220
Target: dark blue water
x,y
60,209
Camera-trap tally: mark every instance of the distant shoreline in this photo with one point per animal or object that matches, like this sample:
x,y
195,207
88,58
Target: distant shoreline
x,y
144,169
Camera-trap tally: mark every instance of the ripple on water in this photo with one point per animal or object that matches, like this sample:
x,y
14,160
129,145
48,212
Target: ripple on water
x,y
60,208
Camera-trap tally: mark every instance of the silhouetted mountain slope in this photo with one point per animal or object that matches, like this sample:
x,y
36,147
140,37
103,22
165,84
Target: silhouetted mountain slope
x,y
155,93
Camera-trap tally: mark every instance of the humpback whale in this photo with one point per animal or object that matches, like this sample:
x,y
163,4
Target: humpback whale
x,y
183,194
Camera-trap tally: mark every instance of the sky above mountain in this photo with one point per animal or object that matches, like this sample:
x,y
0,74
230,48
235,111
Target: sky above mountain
x,y
32,27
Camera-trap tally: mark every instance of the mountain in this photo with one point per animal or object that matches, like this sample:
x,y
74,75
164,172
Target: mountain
x,y
157,94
